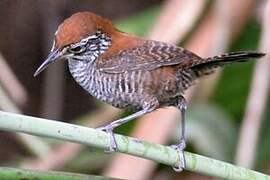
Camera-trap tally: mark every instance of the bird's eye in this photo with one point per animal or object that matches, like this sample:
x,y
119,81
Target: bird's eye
x,y
76,49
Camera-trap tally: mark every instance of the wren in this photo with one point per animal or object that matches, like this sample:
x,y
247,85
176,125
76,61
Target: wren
x,y
131,72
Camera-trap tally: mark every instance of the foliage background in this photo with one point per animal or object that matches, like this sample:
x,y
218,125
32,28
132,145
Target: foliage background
x,y
26,34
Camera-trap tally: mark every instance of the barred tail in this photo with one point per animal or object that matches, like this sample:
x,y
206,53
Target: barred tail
x,y
211,63
235,57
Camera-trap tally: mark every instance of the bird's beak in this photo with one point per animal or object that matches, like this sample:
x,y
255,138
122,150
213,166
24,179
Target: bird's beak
x,y
53,56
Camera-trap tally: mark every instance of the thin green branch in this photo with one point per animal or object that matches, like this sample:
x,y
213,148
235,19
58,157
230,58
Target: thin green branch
x,y
92,137
13,173
34,144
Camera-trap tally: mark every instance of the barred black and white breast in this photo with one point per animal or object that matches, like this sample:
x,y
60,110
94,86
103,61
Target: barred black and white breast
x,y
130,77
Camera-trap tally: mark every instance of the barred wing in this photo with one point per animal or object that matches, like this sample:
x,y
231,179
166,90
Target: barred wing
x,y
151,55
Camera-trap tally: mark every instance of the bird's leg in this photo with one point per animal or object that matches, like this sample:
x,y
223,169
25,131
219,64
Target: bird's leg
x,y
182,106
109,128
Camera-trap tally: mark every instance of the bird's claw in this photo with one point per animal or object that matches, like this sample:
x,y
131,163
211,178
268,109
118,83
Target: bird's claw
x,y
180,149
112,146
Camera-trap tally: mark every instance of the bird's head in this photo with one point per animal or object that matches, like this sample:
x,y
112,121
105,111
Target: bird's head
x,y
83,37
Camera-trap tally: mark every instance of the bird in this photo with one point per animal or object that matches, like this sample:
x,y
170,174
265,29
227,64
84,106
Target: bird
x,y
131,72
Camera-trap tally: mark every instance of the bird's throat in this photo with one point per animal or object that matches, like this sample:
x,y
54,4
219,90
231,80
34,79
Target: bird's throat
x,y
83,72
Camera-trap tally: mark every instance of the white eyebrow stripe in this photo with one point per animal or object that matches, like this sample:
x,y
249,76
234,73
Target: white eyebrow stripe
x,y
85,40
90,37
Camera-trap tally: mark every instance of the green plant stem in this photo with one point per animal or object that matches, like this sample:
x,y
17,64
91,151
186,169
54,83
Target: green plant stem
x,y
92,137
13,173
40,147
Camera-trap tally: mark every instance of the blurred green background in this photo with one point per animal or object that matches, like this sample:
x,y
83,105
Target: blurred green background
x,y
26,34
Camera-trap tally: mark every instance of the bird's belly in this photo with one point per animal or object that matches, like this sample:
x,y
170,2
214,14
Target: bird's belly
x,y
132,89
119,90
129,89
110,88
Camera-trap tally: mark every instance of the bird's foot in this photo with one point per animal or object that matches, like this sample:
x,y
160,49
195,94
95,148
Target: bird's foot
x,y
180,149
109,129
